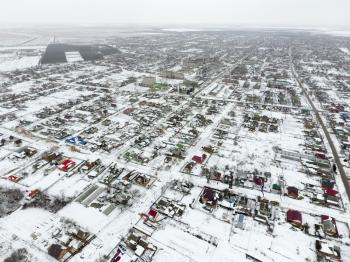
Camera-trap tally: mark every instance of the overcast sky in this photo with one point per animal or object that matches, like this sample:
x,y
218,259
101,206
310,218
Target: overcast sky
x,y
177,12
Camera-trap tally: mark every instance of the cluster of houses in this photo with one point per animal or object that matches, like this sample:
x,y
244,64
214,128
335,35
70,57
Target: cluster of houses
x,y
324,229
339,121
68,241
261,123
117,187
260,209
10,140
137,246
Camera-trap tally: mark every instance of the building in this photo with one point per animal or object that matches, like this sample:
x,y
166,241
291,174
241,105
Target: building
x,y
172,75
148,81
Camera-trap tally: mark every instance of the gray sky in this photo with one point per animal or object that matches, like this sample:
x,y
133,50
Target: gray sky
x,y
156,12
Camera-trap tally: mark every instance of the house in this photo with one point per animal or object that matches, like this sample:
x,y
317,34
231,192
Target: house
x,y
119,254
14,178
329,226
138,242
327,183
240,221
89,165
188,167
152,214
245,205
50,157
320,155
182,186
56,251
292,192
329,192
327,253
32,194
76,140
276,188
295,218
229,200
263,210
29,151
199,159
170,207
66,165
210,197
148,81
259,181
142,180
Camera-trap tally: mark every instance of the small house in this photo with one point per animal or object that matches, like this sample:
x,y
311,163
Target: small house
x,y
329,226
292,192
199,159
295,218
210,197
56,251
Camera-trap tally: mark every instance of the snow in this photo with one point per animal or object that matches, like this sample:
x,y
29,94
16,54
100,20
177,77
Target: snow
x,y
19,63
181,30
87,217
73,57
198,234
345,50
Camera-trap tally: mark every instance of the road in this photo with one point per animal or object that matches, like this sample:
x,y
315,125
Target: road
x,y
319,119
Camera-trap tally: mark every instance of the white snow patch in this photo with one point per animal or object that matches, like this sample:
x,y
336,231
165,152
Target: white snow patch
x,y
73,57
19,63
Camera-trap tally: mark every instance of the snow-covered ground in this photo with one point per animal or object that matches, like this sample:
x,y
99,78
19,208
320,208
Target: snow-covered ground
x,y
12,63
147,171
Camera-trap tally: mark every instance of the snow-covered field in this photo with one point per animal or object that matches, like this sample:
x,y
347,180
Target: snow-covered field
x,y
12,63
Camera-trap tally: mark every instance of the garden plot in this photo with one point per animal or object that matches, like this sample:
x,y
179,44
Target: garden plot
x,y
44,229
114,193
4,153
137,244
106,199
18,62
16,160
47,171
183,245
69,186
140,179
218,90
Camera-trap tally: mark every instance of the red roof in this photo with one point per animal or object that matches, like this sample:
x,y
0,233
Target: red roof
x,y
66,164
292,190
331,192
33,193
320,155
197,159
14,178
324,217
152,213
259,181
294,216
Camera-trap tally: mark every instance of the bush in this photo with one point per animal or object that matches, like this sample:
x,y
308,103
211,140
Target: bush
x,y
48,203
9,200
19,255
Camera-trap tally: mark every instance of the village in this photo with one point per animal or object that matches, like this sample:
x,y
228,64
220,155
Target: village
x,y
178,146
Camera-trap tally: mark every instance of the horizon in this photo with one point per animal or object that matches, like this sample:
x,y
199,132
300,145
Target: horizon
x,y
267,13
